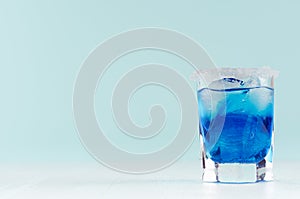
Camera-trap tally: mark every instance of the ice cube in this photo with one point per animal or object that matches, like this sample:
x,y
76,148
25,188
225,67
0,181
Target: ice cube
x,y
252,82
226,83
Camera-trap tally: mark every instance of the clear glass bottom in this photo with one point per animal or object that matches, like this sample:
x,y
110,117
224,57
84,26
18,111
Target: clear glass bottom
x,y
237,172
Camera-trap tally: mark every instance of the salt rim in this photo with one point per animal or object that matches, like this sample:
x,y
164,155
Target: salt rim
x,y
212,74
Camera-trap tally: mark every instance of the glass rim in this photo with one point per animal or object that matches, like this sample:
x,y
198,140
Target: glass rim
x,y
264,71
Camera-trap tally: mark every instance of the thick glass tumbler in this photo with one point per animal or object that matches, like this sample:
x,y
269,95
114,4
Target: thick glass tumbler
x,y
236,122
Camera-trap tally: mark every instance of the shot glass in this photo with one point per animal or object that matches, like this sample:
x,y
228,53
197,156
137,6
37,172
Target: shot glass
x,y
236,123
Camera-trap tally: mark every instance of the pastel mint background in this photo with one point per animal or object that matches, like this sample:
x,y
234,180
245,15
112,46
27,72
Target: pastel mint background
x,y
43,44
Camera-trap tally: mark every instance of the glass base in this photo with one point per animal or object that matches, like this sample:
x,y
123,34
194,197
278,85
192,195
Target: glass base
x,y
236,172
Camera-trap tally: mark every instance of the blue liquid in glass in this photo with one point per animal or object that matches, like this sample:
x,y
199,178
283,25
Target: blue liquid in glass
x,y
247,118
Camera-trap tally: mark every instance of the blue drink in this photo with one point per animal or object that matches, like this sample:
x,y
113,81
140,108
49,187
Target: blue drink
x,y
236,124
236,111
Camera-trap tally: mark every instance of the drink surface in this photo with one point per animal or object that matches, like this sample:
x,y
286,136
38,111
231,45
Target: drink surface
x,y
236,124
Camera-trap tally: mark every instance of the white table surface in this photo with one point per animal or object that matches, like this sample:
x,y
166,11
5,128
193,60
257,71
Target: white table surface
x,y
182,180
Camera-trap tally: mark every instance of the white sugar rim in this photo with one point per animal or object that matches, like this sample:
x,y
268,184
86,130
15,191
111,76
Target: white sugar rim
x,y
215,73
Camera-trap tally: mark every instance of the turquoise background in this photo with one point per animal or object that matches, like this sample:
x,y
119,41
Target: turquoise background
x,y
43,44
